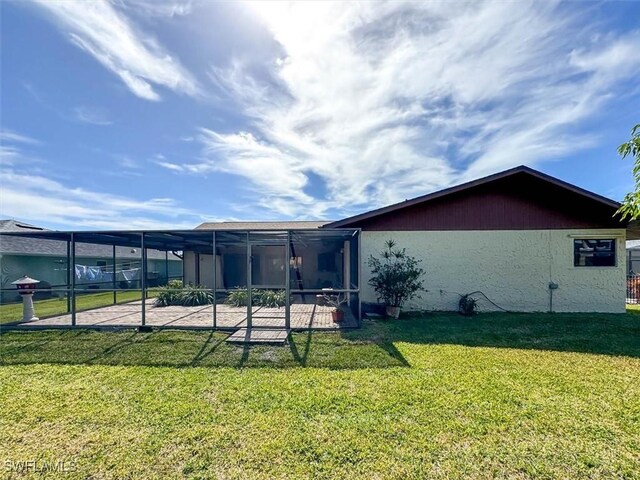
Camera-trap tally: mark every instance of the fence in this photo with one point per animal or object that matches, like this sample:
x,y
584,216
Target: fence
x,y
633,288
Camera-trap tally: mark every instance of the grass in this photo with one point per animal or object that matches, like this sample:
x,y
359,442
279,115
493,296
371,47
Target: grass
x,y
443,396
633,308
12,312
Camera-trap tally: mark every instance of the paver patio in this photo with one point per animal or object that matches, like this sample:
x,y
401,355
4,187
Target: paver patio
x,y
303,316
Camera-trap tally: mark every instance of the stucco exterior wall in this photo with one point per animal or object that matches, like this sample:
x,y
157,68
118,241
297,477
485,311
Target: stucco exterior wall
x,y
513,268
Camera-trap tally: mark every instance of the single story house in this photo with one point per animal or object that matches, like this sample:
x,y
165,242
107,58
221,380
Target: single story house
x,y
520,239
525,240
46,260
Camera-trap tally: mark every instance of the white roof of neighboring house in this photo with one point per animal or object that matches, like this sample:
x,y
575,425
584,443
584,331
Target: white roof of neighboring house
x,y
633,244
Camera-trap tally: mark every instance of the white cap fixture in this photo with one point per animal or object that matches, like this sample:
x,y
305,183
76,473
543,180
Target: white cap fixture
x,y
26,286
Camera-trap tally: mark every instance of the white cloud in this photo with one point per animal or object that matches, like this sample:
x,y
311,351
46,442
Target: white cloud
x,y
44,201
127,162
154,8
109,36
170,166
375,103
12,136
91,115
12,148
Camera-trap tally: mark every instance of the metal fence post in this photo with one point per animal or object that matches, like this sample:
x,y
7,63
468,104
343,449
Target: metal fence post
x,y
143,282
69,276
287,279
215,280
72,265
359,278
113,280
249,299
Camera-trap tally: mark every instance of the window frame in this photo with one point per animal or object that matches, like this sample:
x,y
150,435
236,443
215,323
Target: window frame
x,y
614,251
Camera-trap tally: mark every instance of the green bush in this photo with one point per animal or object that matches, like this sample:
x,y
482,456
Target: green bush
x,y
192,296
396,277
175,293
468,305
260,298
238,298
270,298
166,297
175,285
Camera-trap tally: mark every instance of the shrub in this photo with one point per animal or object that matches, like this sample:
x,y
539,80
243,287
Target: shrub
x,y
169,294
194,295
396,276
260,298
174,293
467,305
175,284
166,297
270,298
238,298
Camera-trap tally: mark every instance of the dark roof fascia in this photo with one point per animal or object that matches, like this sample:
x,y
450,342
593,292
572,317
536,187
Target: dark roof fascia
x,y
468,185
108,235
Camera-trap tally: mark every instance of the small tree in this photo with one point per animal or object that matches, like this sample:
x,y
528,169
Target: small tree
x,y
631,203
396,276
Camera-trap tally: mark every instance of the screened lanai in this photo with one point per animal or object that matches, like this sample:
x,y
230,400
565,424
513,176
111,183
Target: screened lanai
x,y
288,279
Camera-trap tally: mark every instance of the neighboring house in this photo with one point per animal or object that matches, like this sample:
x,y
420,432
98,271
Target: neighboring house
x,y
46,260
514,236
633,257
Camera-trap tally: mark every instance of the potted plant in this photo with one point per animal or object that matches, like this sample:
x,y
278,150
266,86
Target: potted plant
x,y
396,277
335,301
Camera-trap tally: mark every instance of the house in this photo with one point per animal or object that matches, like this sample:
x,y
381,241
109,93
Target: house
x,y
46,260
633,257
523,240
519,240
527,241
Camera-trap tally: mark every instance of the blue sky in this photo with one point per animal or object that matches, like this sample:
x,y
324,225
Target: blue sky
x,y
142,114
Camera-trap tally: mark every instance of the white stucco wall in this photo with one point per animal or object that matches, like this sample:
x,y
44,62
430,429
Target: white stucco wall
x,y
513,268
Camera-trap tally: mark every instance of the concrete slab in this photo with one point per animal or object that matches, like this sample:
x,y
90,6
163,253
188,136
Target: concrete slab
x,y
258,336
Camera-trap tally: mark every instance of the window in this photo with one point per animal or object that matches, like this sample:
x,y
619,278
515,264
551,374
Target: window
x,y
102,264
594,253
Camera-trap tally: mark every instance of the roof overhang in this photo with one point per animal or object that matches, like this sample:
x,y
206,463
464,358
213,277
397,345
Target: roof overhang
x,y
178,240
520,170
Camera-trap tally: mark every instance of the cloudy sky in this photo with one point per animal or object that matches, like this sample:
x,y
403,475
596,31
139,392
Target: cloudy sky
x,y
140,114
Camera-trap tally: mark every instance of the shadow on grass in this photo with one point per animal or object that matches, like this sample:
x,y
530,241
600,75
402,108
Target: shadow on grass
x,y
373,346
606,334
180,348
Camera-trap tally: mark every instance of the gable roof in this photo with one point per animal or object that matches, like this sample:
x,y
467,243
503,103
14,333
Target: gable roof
x,y
507,175
33,244
12,225
290,225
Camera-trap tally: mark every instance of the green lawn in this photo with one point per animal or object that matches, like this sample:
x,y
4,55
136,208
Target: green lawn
x,y
12,312
635,308
443,396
